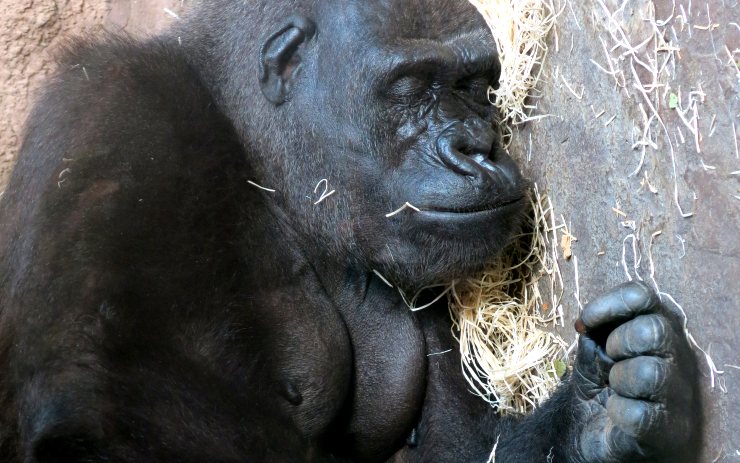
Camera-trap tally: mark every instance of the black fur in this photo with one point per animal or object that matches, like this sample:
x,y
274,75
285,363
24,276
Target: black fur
x,y
159,302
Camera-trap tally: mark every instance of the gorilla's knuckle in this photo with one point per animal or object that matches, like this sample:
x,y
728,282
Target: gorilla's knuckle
x,y
638,296
649,372
648,333
640,378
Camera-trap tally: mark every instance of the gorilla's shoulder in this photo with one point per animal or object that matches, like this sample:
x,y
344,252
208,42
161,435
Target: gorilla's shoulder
x,y
119,107
131,115
113,79
153,66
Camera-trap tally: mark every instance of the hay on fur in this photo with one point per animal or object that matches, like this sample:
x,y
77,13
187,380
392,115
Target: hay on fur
x,y
520,29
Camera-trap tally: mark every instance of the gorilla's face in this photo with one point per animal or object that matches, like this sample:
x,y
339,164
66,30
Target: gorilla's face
x,y
395,96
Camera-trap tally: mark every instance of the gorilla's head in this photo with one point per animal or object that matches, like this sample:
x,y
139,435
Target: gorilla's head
x,y
386,100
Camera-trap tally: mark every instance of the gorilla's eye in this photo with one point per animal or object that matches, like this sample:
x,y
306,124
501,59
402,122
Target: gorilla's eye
x,y
410,87
476,87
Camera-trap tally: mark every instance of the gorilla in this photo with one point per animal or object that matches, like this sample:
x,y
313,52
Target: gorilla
x,y
200,236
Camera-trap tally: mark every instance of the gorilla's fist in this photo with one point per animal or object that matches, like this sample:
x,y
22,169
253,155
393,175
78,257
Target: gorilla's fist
x,y
634,380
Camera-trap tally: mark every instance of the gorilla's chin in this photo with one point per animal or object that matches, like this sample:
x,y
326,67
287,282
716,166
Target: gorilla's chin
x,y
442,246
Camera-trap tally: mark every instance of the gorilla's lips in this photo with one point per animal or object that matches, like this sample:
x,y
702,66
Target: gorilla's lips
x,y
502,203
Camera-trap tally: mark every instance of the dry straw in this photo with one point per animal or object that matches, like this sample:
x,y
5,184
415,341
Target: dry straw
x,y
500,318
520,29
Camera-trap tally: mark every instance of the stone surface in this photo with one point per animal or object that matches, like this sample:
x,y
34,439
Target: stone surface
x,y
144,17
29,29
585,165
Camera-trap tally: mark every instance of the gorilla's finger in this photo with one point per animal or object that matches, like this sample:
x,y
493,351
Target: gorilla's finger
x,y
620,445
639,377
637,418
591,368
620,304
645,335
601,441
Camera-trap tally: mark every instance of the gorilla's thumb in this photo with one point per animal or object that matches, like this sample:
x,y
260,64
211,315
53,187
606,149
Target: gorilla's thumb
x,y
591,371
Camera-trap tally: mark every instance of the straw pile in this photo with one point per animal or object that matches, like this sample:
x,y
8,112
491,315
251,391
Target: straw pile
x,y
520,29
500,318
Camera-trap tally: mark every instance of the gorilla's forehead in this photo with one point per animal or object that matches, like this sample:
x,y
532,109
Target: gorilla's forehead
x,y
417,19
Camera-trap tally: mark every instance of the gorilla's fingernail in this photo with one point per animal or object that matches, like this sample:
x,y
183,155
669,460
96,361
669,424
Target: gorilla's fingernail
x,y
580,326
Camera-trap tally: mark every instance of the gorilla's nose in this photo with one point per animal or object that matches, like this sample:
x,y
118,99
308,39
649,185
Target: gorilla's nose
x,y
465,149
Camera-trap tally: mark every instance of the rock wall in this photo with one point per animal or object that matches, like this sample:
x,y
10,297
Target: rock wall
x,y
628,133
28,30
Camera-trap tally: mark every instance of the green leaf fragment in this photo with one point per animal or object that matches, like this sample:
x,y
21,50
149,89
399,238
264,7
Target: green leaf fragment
x,y
673,101
560,368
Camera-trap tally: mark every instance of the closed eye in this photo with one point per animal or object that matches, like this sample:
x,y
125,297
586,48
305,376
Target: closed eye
x,y
409,87
476,87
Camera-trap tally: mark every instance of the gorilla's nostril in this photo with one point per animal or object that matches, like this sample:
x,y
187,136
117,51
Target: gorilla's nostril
x,y
452,153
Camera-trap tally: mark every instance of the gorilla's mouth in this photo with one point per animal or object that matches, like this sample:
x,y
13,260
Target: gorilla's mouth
x,y
477,209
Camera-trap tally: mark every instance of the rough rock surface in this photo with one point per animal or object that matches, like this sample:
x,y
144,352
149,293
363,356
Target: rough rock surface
x,y
585,160
28,30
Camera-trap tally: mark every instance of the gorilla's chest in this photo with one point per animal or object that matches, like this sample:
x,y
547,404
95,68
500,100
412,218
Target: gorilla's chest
x,y
307,355
354,367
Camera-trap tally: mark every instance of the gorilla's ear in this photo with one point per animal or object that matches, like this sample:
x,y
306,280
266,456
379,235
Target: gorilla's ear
x,y
280,58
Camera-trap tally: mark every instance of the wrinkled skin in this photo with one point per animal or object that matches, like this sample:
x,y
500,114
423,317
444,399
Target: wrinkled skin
x,y
157,306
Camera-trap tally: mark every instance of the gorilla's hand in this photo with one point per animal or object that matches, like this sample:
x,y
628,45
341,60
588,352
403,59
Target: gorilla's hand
x,y
634,380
